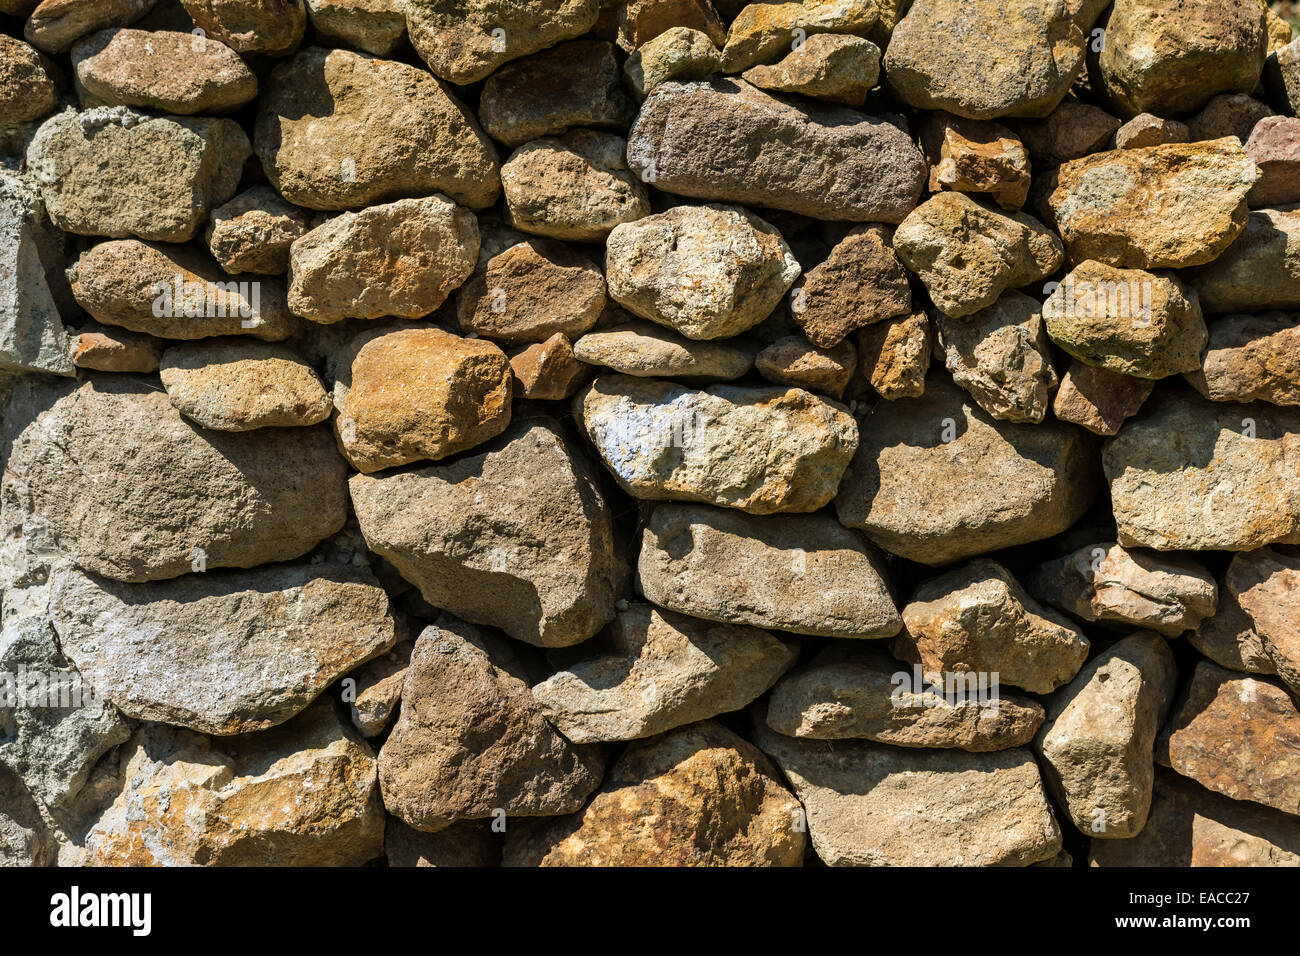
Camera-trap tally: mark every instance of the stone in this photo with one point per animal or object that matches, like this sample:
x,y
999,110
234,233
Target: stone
x,y
175,292
375,26
400,259
895,355
471,741
795,361
1136,323
27,90
272,27
1274,145
679,53
761,450
113,350
548,93
237,385
1171,60
967,254
826,161
1228,114
162,70
1099,400
982,59
460,845
547,371
1237,735
1265,585
979,619
516,536
379,690
708,272
852,691
974,156
418,393
644,349
24,838
764,32
220,653
655,670
1163,207
1282,74
861,282
833,67
465,40
54,25
1146,129
1250,358
1098,739
324,111
1168,594
1001,356
641,21
302,794
698,796
1193,475
800,573
254,232
32,334
1269,245
869,804
1020,482
132,491
117,172
1072,130
1229,639
531,291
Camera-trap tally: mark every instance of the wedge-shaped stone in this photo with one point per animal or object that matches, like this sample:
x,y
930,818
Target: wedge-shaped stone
x,y
1099,400
646,350
32,336
1269,245
860,283
1265,584
1251,358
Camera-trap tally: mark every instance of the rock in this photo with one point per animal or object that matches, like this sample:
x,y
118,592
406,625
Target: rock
x,y
641,21
1072,130
895,354
709,272
1136,323
979,619
967,254
548,93
981,59
1022,482
176,293
645,349
471,741
460,845
1229,639
254,231
27,89
162,70
1106,582
1274,145
54,726
656,670
1237,735
868,804
1099,400
1251,357
1164,207
56,24
828,162
795,361
1146,129
575,187
1269,245
112,350
465,40
1170,60
32,335
117,172
273,27
972,156
375,26
235,386
531,291
699,796
840,69
223,653
547,371
852,691
302,794
1001,356
324,111
1282,74
418,393
761,450
1192,475
679,53
1097,741
800,573
133,492
24,839
764,32
1265,585
860,283
1228,114
378,690
400,259
516,537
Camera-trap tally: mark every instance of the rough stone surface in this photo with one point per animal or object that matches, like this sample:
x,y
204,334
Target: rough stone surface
x,y
838,68
375,26
793,360
895,356
677,54
254,232
1251,358
1099,400
1146,129
764,32
27,90
547,371
1269,245
645,350
32,335
54,25
273,27
1265,585
974,156
112,350
860,283
1073,130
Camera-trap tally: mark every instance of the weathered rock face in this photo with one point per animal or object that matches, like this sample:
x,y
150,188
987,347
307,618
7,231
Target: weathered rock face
x,y
1264,585
974,156
547,371
841,69
1269,245
27,89
1072,131
763,32
274,27
375,26
1147,129
647,350
54,25
702,140
861,282
107,350
1249,358
24,838
133,492
895,356
516,537
470,739
793,360
761,450
805,574
699,796
32,336
1099,400
641,21
254,232
676,54
1273,147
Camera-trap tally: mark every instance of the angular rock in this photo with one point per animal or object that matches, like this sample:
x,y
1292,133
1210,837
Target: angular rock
x,y
56,24
32,335
1229,639
764,32
112,350
1072,130
644,349
836,68
895,354
1274,145
1228,114
860,283
24,838
1269,245
1265,584
1146,129
254,231
1099,400
273,27
1251,357
970,156
547,371
375,26
676,54
793,360
641,21
27,89
378,690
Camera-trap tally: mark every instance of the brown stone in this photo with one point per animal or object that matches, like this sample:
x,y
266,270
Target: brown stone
x,y
860,283
1098,399
547,371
